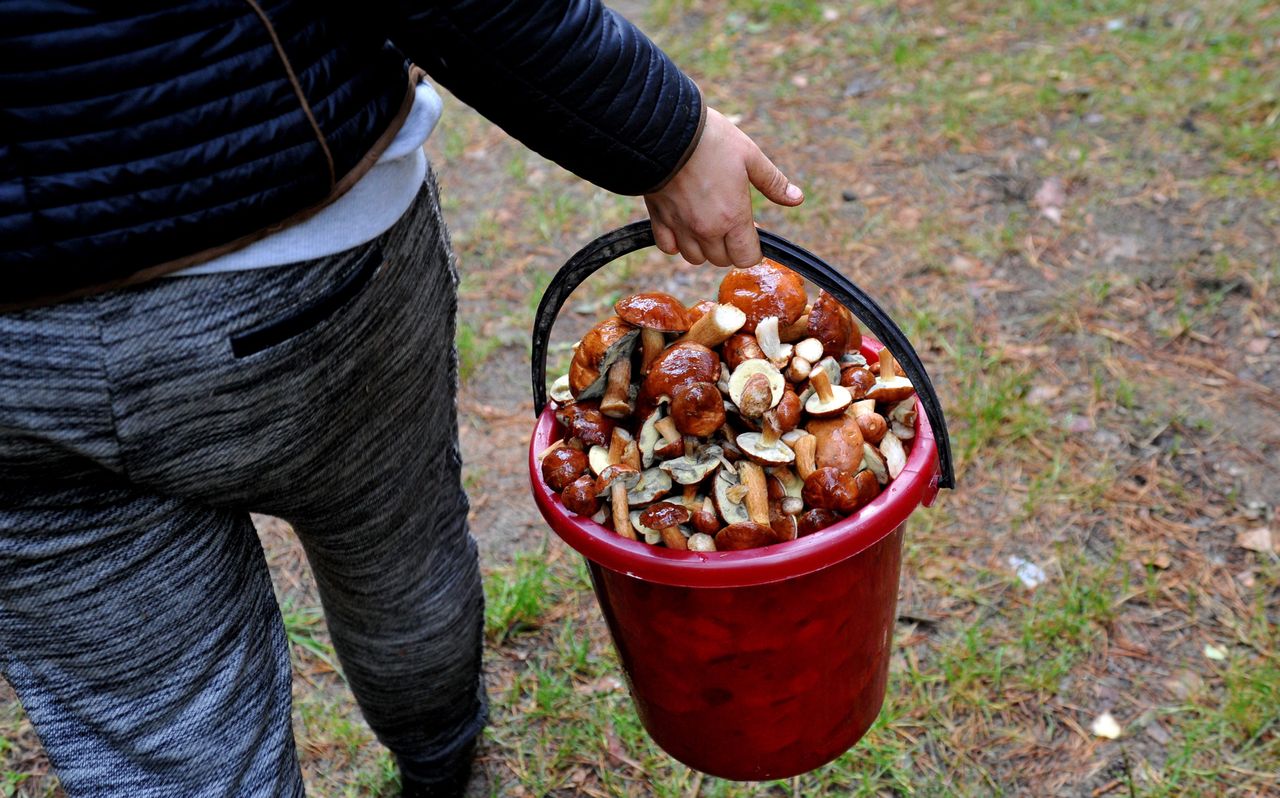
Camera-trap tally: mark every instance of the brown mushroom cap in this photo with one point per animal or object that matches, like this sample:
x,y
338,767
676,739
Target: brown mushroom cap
x,y
699,310
603,343
894,389
787,413
562,466
697,408
653,310
679,364
833,325
663,515
746,535
815,519
705,520
858,379
766,289
739,347
868,486
831,489
584,421
839,443
579,496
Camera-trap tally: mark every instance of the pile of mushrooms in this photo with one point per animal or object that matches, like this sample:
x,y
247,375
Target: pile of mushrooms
x,y
729,425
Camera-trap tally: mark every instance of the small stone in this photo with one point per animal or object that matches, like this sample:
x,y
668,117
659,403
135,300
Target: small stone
x,y
1257,346
849,196
830,14
1215,653
1259,540
1106,727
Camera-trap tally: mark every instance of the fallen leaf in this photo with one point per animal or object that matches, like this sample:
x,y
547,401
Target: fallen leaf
x,y
1257,346
1214,653
1105,726
1258,540
1050,198
1027,572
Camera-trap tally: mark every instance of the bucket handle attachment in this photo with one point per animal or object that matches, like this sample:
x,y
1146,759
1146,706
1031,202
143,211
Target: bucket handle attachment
x,y
639,235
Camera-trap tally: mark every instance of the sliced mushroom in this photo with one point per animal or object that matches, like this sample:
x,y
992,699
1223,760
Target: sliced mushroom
x,y
828,399
560,393
701,541
895,457
653,485
766,447
598,459
729,502
875,462
666,518
695,465
715,326
606,343
810,349
750,368
766,289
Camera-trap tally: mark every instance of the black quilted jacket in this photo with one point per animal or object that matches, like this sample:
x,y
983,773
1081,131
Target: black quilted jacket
x,y
138,138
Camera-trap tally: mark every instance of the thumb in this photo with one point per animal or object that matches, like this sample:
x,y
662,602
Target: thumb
x,y
770,181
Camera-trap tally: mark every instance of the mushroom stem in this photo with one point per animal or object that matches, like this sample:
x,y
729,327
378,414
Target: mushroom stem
x,y
888,366
652,342
757,498
715,326
821,383
769,432
806,452
667,427
865,407
618,445
631,455
621,518
672,537
790,333
617,395
689,497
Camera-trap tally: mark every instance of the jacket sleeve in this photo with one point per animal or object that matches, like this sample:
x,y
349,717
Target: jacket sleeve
x,y
571,79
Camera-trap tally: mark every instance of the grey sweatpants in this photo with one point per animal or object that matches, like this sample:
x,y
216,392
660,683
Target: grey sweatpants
x,y
139,428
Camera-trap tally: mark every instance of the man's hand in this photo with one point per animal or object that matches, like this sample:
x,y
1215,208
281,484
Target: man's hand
x,y
704,212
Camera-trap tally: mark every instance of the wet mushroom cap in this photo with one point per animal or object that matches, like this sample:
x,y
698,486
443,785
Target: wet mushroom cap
x,y
663,515
787,412
579,496
697,408
831,489
653,310
816,519
699,310
766,289
679,364
745,535
858,379
603,343
740,347
833,325
562,466
584,421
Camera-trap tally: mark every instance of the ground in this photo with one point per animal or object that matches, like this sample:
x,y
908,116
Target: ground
x,y
1074,210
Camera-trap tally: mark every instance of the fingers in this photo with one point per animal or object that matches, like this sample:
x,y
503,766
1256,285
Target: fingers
x,y
743,245
690,250
665,238
770,181
716,252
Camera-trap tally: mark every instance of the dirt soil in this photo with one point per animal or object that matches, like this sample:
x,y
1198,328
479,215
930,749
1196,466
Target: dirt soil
x,y
1074,211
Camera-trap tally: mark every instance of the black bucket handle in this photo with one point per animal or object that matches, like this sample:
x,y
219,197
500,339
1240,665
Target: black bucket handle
x,y
638,235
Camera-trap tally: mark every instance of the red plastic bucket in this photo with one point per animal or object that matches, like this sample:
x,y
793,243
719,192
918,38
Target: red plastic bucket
x,y
758,664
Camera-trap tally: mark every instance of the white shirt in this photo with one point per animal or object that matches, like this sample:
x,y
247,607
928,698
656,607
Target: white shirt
x,y
362,214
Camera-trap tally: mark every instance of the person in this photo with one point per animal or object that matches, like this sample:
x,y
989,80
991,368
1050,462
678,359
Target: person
x,y
227,287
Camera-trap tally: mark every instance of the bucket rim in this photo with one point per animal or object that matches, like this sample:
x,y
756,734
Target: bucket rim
x,y
917,485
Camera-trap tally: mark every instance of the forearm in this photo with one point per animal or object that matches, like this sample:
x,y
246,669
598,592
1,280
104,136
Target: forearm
x,y
570,79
